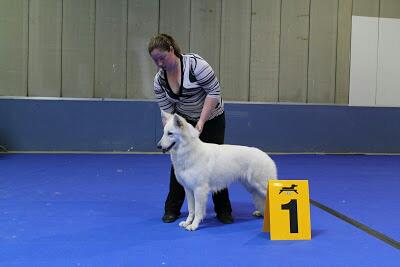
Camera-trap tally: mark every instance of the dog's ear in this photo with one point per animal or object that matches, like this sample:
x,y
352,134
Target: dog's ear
x,y
178,121
165,116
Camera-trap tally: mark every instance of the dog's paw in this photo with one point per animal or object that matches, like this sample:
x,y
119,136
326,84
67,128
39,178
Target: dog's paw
x,y
191,227
184,224
257,214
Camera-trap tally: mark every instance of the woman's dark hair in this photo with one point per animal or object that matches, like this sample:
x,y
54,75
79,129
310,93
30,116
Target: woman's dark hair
x,y
164,42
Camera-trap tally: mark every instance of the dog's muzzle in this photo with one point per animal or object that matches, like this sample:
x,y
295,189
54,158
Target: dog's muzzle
x,y
164,150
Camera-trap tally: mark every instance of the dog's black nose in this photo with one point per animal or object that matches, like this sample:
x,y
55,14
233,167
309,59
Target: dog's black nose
x,y
159,145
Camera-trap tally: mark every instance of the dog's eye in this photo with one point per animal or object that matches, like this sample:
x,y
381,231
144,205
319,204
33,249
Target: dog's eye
x,y
170,133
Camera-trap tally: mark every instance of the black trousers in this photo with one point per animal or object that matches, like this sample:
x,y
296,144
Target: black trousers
x,y
213,132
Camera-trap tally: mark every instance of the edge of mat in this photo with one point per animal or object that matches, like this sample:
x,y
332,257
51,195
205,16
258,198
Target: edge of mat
x,y
363,227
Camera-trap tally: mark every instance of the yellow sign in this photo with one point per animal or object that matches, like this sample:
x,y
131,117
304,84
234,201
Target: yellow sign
x,y
287,210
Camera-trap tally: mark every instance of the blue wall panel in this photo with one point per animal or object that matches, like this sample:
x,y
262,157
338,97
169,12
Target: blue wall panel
x,y
28,124
314,128
84,125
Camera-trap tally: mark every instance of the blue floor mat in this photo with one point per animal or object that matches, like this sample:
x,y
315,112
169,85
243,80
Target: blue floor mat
x,y
104,210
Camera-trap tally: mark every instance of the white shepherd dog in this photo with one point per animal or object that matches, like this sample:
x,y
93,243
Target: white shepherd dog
x,y
202,168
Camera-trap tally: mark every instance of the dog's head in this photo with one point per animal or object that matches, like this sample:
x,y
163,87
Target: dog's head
x,y
177,131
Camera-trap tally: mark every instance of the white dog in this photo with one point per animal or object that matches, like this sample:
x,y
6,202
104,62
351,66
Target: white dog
x,y
203,167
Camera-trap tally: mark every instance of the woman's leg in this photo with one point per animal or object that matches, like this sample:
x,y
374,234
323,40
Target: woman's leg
x,y
175,198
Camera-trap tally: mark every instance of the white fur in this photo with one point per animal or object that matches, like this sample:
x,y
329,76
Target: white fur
x,y
202,168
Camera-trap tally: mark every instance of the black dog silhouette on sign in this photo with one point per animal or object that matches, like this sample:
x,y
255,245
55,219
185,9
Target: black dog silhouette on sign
x,y
289,189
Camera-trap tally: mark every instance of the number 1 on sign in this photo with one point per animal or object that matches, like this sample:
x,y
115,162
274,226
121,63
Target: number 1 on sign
x,y
292,207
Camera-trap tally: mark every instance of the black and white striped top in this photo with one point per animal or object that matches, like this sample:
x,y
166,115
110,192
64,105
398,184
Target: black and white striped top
x,y
198,81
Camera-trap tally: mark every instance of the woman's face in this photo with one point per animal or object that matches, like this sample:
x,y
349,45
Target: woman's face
x,y
165,60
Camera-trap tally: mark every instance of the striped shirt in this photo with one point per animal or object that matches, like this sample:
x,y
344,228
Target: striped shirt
x,y
198,80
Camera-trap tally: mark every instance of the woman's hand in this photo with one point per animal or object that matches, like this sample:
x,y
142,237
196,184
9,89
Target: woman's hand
x,y
200,125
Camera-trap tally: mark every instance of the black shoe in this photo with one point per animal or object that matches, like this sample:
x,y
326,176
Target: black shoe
x,y
170,217
225,217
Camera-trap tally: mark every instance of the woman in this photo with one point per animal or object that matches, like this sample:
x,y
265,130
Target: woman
x,y
186,84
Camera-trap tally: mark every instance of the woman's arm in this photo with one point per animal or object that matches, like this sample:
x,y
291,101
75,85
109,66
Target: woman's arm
x,y
206,78
209,105
161,97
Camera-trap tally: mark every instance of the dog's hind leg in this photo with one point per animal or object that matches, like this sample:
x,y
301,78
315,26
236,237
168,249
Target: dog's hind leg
x,y
257,199
259,196
200,203
190,201
259,202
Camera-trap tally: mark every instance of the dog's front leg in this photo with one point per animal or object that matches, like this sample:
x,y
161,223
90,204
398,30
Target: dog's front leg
x,y
190,201
200,202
